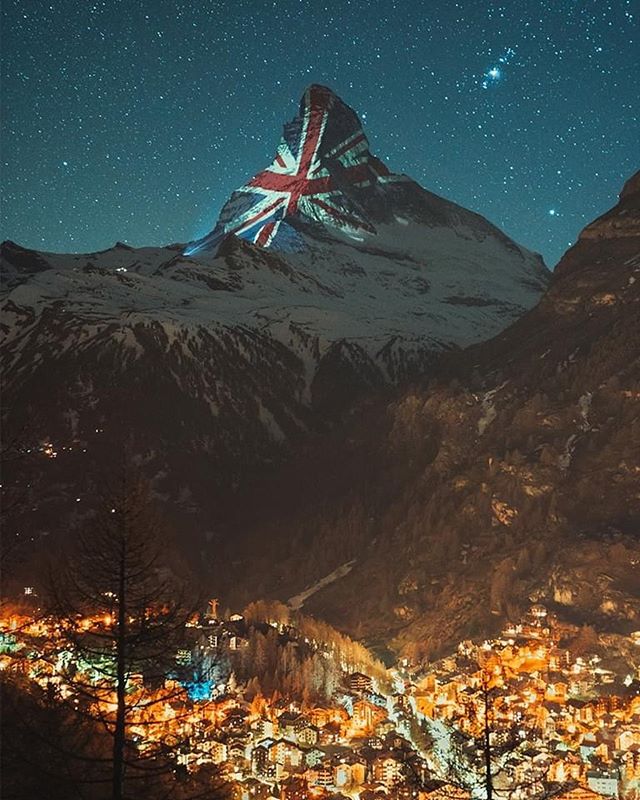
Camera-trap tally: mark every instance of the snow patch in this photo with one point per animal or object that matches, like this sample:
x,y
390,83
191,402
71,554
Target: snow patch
x,y
297,601
584,403
489,412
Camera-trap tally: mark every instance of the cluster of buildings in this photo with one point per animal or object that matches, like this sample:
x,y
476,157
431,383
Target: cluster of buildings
x,y
551,714
552,721
357,746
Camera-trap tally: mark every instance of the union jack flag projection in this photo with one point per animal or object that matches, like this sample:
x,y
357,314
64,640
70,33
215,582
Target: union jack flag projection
x,y
322,160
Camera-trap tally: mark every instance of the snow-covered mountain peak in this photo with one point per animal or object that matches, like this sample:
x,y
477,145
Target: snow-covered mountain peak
x,y
323,172
339,217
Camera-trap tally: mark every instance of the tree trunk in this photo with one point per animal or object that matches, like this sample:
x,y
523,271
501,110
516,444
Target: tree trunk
x,y
121,677
488,778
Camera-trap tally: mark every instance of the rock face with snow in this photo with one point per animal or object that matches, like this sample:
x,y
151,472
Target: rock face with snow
x,y
326,275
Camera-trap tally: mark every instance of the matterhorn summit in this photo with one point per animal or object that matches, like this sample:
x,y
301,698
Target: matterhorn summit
x,y
366,236
324,182
323,172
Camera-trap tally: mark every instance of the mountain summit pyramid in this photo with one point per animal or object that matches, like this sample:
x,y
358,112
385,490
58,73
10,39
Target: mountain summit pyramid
x,y
323,172
325,182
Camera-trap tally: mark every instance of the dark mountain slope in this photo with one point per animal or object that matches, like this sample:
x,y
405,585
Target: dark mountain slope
x,y
516,477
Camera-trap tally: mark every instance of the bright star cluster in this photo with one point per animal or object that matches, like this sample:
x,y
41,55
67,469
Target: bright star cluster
x,y
134,121
495,73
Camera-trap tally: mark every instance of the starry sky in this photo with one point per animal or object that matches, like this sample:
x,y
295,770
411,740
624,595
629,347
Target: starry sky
x,y
134,121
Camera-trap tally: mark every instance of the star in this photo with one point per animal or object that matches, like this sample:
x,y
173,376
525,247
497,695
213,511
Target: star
x,y
492,75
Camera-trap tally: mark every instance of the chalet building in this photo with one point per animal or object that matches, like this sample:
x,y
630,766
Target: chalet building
x,y
521,771
579,710
388,770
217,750
631,765
376,699
559,659
425,704
260,759
400,701
330,734
428,684
395,741
403,724
350,773
557,691
322,775
358,682
313,757
285,753
235,719
187,759
537,613
385,727
290,724
294,789
605,782
238,750
320,716
568,769
366,715
580,685
274,772
262,729
625,738
307,736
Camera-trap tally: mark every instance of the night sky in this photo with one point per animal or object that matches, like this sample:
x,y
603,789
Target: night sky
x,y
134,121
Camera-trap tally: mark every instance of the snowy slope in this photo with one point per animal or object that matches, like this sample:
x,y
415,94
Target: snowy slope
x,y
428,289
447,289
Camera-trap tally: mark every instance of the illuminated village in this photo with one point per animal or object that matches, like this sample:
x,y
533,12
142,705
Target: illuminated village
x,y
558,724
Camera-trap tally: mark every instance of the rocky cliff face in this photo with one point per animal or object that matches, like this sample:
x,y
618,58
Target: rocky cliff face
x,y
515,476
210,363
621,222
